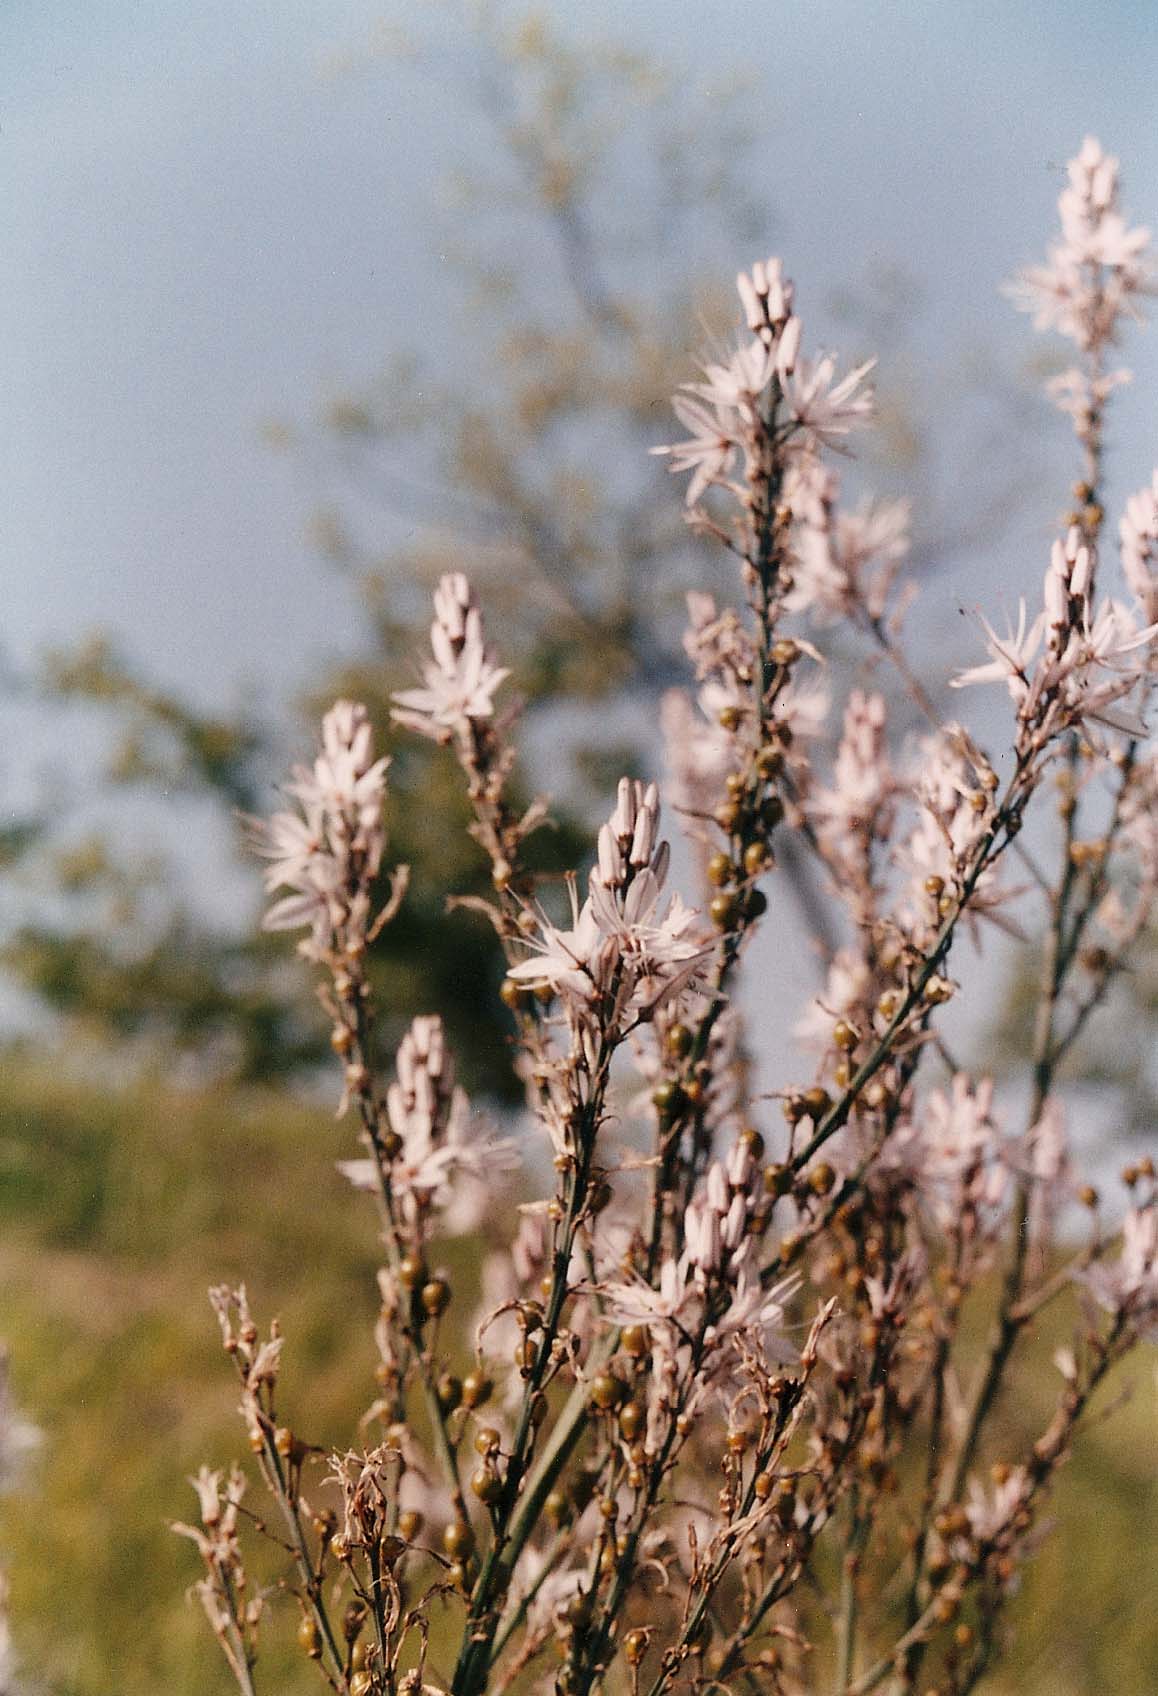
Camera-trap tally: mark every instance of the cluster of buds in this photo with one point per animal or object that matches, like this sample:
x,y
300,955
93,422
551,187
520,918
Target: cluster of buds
x,y
426,1138
328,854
1138,532
1095,275
844,564
233,1614
626,952
1073,666
461,678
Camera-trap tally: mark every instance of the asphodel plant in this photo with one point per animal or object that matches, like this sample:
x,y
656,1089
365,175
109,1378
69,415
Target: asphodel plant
x,y
714,1423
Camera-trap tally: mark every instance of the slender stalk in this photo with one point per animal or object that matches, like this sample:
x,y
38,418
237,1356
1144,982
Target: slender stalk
x,y
495,1571
850,1567
311,1576
986,851
1008,1322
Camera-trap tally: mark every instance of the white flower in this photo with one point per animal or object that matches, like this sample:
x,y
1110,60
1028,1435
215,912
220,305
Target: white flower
x,y
1129,1284
1093,276
828,408
328,855
1013,656
738,384
620,939
1138,532
710,450
431,1118
461,678
989,1515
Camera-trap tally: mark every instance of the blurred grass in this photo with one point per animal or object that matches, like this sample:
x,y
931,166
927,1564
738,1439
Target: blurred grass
x,y
118,1209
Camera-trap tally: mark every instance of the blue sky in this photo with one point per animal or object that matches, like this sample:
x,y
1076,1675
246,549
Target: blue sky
x,y
205,228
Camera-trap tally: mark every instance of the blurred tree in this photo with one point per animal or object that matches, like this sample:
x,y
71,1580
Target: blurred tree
x,y
607,182
541,483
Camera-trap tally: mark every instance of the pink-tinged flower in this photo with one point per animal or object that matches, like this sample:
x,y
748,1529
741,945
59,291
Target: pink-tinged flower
x,y
954,788
328,855
430,1115
1111,634
759,1315
958,1130
803,709
952,1150
828,408
989,1513
1094,230
846,985
871,542
1083,397
631,1301
893,1295
1138,532
722,651
696,752
1044,1161
574,960
1092,671
709,452
1094,276
673,1307
548,1607
1085,668
346,779
739,384
461,678
1012,656
621,940
1139,832
766,296
843,563
863,781
1129,1284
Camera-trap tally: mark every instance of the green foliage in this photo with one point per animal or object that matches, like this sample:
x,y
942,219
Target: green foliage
x,y
233,1000
164,741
